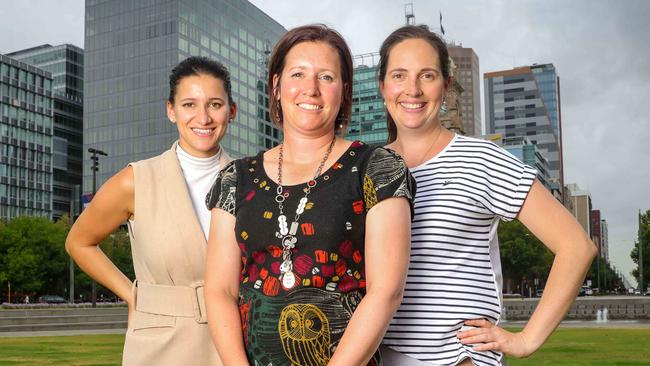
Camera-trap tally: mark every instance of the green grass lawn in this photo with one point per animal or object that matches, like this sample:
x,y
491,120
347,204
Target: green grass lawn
x,y
574,347
577,347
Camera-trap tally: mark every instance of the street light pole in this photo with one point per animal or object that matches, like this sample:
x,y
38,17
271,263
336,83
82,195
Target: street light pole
x,y
74,211
95,169
641,288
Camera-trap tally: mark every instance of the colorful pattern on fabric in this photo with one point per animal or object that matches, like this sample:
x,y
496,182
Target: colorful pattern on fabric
x,y
303,324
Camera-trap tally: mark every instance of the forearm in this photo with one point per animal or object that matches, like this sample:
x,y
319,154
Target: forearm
x,y
225,328
366,328
565,278
93,261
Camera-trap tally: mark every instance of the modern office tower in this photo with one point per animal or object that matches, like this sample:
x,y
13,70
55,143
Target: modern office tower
x,y
525,101
368,119
467,74
65,63
130,48
25,140
524,150
580,203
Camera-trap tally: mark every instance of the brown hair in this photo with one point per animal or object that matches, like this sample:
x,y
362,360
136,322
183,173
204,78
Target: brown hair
x,y
312,33
402,34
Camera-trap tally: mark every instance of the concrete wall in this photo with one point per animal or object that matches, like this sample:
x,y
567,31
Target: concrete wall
x,y
586,308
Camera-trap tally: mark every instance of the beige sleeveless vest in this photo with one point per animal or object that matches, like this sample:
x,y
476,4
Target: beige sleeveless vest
x,y
170,324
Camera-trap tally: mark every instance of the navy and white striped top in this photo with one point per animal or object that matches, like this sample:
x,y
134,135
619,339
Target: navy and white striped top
x,y
455,270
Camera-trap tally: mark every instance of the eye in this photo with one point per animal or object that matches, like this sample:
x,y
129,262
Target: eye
x,y
297,74
215,105
327,77
188,105
428,76
397,76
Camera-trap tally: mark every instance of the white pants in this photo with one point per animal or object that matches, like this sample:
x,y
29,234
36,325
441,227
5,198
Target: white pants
x,y
391,357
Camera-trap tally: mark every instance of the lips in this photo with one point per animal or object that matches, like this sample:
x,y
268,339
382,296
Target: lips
x,y
310,107
412,106
203,131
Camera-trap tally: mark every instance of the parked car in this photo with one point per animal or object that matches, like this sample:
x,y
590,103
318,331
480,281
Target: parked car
x,y
585,291
51,299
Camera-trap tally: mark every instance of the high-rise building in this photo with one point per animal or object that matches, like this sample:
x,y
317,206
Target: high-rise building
x,y
130,48
596,233
604,239
468,76
525,101
524,150
580,205
65,63
25,140
368,119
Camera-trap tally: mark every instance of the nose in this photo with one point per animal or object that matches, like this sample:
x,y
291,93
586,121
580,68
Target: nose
x,y
310,86
413,88
203,115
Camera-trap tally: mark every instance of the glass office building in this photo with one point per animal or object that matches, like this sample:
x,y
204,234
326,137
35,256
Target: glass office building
x,y
65,63
516,105
368,119
25,140
130,48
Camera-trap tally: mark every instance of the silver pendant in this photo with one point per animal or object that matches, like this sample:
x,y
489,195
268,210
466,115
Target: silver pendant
x,y
288,280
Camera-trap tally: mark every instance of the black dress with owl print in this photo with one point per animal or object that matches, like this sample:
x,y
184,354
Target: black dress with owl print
x,y
297,315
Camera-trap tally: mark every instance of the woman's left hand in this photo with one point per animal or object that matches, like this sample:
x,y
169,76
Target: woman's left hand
x,y
490,337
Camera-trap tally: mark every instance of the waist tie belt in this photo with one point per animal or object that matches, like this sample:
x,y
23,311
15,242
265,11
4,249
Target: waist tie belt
x,y
181,301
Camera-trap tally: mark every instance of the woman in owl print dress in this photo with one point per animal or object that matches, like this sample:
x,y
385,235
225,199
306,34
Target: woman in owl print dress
x,y
309,248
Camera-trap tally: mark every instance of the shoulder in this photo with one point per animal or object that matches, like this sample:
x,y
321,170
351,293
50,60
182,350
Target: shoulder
x,y
484,150
166,158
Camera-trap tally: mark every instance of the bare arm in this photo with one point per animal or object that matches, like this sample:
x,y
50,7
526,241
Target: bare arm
x,y
547,219
388,233
222,271
110,207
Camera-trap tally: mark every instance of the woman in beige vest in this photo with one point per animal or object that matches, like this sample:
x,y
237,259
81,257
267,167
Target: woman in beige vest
x,y
163,200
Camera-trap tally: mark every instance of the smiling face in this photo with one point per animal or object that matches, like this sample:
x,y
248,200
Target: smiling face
x,y
310,88
414,85
201,113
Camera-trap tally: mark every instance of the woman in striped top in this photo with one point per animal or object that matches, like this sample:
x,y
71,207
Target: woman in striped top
x,y
452,301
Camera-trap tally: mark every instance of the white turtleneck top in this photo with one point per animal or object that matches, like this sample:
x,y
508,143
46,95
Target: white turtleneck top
x,y
199,175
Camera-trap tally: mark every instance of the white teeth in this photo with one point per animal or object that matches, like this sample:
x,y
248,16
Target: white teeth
x,y
311,107
202,130
412,105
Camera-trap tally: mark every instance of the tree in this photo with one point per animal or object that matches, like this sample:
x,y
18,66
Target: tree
x,y
523,256
32,255
644,239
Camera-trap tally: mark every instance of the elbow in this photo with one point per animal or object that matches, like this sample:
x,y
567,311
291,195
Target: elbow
x,y
68,245
592,250
391,298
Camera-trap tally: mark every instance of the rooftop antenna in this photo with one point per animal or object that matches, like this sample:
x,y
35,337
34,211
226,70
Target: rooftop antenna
x,y
408,13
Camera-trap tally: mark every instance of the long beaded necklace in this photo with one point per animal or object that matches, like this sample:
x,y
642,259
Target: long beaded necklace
x,y
288,233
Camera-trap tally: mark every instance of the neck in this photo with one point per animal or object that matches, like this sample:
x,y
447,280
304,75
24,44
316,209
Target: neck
x,y
301,149
419,145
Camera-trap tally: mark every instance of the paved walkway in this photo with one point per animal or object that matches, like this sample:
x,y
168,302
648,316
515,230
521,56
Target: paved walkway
x,y
612,324
62,333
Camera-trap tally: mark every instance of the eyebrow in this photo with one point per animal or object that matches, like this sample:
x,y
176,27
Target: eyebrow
x,y
209,99
401,69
